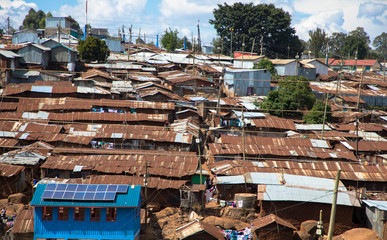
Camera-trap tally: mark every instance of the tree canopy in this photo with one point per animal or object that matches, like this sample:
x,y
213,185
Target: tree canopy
x,y
170,40
380,43
317,42
266,64
34,20
316,114
93,49
293,93
248,21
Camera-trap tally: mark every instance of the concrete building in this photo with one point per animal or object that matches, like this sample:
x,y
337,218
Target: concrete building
x,y
376,212
246,82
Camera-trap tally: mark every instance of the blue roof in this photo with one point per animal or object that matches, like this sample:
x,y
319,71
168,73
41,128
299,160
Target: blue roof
x,y
381,205
129,199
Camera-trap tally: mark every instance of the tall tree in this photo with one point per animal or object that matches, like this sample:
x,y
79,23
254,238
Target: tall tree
x,y
74,25
335,43
380,44
266,64
317,42
34,20
170,40
356,44
316,114
294,93
93,49
248,21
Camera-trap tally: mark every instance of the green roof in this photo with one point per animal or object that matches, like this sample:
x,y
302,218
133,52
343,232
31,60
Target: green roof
x,y
125,200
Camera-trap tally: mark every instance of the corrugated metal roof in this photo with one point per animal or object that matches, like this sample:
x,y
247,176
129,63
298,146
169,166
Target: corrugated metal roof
x,y
8,142
273,122
24,222
284,193
262,178
22,158
312,127
239,179
269,219
197,227
170,164
41,89
7,170
381,205
129,199
9,54
249,114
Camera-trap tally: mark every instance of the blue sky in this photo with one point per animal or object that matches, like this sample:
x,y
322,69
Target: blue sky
x,y
154,16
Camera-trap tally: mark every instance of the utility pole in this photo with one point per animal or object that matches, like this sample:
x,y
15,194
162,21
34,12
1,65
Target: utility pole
x,y
8,25
219,92
129,42
243,136
357,138
384,69
58,25
333,210
358,92
337,84
252,47
325,114
138,39
232,30
261,45
146,193
243,48
199,41
320,227
192,41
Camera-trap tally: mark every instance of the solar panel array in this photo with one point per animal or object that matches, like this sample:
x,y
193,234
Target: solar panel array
x,y
83,192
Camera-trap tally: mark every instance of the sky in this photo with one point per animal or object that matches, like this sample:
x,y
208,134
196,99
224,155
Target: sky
x,y
152,17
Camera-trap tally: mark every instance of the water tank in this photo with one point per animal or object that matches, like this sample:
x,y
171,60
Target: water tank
x,y
247,198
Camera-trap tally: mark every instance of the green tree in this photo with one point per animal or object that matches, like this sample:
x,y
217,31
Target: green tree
x,y
93,49
181,43
356,43
380,44
293,93
34,20
316,114
74,25
217,43
317,42
336,42
266,64
170,40
248,21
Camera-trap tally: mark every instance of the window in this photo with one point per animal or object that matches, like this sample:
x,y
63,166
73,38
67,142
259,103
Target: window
x,y
47,213
79,214
111,214
63,213
95,214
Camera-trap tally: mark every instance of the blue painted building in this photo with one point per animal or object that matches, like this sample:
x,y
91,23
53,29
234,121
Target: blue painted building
x,y
81,211
247,82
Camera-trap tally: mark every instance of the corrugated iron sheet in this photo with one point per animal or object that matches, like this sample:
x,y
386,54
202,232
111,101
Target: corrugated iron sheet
x,y
110,117
153,182
24,222
179,165
366,146
269,219
7,170
322,169
271,122
8,142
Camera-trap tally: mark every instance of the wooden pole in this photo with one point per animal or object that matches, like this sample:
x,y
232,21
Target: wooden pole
x,y
252,47
243,136
358,92
325,114
146,194
333,210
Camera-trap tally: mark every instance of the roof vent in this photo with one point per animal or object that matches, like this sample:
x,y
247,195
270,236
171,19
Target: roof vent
x,y
132,187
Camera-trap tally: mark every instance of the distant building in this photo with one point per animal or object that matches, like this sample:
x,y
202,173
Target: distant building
x,y
247,82
101,33
321,68
286,67
207,49
81,211
25,36
356,65
376,215
62,23
34,54
115,45
247,61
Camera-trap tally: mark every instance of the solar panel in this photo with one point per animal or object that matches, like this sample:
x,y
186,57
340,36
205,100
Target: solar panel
x,y
47,194
109,196
122,189
81,187
102,188
61,187
89,196
99,196
91,188
51,186
68,195
71,187
58,195
79,196
112,188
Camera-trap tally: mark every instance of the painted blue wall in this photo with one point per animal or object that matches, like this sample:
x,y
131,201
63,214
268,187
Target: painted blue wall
x,y
126,226
239,80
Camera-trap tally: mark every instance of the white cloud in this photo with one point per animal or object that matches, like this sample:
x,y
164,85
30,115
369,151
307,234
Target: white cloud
x,y
374,11
173,8
330,21
15,10
104,13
